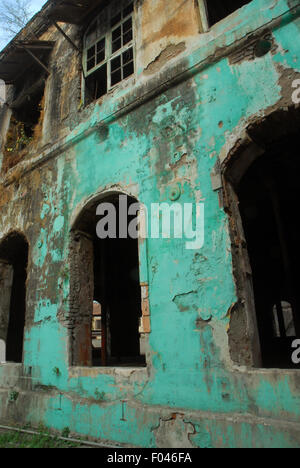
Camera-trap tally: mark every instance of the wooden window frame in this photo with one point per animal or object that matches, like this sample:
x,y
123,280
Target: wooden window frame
x,y
103,20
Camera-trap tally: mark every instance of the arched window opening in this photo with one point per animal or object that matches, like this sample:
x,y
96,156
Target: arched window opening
x,y
106,293
268,197
219,9
13,275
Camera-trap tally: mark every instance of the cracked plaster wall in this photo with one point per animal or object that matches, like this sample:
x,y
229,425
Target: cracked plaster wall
x,y
173,139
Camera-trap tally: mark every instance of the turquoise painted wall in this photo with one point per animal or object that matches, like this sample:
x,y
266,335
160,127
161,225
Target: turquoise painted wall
x,y
175,138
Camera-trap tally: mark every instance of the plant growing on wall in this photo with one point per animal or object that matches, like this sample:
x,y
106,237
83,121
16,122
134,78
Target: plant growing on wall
x,y
17,139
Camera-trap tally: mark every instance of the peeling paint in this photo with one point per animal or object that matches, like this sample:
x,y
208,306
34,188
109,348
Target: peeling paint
x,y
191,104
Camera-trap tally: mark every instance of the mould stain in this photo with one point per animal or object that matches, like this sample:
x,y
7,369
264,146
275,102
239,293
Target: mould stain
x,y
197,111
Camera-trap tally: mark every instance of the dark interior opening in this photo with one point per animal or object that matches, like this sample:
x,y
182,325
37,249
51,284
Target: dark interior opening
x,y
14,250
268,195
28,95
96,85
219,9
29,112
117,294
26,118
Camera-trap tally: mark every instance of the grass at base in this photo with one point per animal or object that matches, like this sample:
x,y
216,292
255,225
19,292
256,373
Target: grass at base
x,y
12,439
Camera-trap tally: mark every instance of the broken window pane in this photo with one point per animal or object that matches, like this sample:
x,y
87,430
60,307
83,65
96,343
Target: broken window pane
x,y
96,84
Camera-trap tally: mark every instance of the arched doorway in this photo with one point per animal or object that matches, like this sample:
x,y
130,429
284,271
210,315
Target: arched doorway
x,y
262,193
105,291
269,196
13,276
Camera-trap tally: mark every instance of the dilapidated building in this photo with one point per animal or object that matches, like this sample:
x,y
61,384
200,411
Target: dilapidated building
x,y
142,341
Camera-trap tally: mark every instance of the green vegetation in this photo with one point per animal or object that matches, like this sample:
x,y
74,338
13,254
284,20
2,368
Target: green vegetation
x,y
17,138
12,439
13,396
65,432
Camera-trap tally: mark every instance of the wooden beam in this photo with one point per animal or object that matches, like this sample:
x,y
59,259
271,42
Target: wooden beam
x,y
36,59
65,36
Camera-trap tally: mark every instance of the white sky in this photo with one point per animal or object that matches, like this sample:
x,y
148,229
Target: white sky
x,y
36,5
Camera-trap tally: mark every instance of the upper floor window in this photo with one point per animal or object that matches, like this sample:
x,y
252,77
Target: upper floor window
x,y
217,10
108,56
